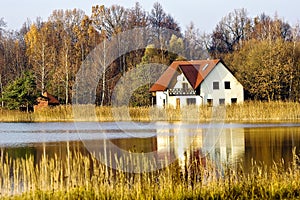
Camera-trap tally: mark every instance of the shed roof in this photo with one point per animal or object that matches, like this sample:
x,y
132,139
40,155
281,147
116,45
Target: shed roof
x,y
51,99
194,71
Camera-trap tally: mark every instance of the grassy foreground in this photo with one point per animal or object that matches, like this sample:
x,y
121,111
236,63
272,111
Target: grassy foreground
x,y
251,111
79,176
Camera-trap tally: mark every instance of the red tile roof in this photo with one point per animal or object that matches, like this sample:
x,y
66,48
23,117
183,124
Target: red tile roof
x,y
194,71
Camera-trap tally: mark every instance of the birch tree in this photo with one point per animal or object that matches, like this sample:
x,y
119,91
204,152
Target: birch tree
x,y
67,25
40,54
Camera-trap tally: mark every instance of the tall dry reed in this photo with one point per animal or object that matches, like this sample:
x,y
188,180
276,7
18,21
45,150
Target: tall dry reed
x,y
248,111
79,176
264,111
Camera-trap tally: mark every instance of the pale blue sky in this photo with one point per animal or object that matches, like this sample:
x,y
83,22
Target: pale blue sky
x,y
204,13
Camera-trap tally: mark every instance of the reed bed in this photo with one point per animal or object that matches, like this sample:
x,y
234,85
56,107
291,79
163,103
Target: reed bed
x,y
251,111
79,176
15,116
264,111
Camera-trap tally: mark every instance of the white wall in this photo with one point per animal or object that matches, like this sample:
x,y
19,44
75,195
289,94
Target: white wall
x,y
160,98
183,100
171,100
221,74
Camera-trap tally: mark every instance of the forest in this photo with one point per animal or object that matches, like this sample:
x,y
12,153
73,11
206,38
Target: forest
x,y
263,52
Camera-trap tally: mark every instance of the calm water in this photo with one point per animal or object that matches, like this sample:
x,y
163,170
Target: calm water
x,y
224,143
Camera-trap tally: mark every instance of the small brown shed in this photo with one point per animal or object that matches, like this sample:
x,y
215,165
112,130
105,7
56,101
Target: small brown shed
x,y
46,100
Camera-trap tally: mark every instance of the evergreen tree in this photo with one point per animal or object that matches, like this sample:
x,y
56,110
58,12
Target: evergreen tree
x,y
20,93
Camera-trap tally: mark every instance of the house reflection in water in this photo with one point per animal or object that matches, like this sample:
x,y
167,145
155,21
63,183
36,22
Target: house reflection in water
x,y
186,143
225,145
178,142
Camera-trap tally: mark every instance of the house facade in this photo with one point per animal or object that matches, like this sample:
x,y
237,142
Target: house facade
x,y
197,82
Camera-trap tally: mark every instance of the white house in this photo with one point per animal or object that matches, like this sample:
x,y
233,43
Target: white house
x,y
195,83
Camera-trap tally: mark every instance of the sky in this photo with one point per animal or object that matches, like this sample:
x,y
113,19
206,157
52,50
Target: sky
x,y
205,14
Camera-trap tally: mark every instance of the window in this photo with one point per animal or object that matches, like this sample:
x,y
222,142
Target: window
x,y
191,101
227,84
216,85
222,101
184,86
233,100
153,100
209,102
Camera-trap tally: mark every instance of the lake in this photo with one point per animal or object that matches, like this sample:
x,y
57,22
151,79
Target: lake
x,y
230,143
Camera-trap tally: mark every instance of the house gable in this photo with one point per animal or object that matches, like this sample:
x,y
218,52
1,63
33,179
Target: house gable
x,y
229,87
181,86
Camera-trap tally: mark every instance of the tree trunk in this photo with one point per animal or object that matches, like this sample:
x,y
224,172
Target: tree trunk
x,y
1,90
290,87
103,73
67,77
43,69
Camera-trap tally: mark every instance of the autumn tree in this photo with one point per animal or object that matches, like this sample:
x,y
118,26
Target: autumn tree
x,y
67,25
160,20
176,49
12,57
137,18
230,32
294,83
40,53
264,68
111,21
196,44
2,56
264,27
2,25
163,26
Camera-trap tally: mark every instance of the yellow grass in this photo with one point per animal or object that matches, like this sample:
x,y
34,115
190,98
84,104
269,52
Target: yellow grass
x,y
252,111
78,176
264,111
